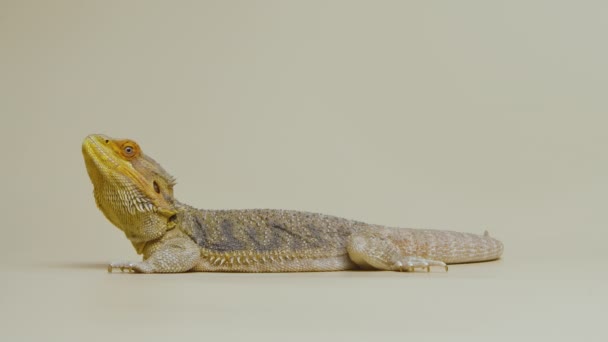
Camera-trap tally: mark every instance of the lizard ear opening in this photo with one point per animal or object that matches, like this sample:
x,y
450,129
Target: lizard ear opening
x,y
156,188
171,222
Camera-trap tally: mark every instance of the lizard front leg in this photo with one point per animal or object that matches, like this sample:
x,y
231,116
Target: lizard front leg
x,y
168,256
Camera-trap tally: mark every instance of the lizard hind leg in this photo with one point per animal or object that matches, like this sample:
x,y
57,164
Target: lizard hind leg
x,y
374,250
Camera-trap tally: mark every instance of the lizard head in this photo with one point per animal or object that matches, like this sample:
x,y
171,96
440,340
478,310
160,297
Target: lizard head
x,y
132,190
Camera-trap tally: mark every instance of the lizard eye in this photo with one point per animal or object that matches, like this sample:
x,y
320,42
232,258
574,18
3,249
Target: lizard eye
x,y
129,150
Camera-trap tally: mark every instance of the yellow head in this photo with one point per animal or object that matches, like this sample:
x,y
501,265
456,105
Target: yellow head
x,y
132,190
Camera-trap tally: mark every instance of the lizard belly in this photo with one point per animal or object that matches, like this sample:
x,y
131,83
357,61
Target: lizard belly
x,y
273,264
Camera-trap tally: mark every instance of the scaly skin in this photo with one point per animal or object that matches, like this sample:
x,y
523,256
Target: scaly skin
x,y
136,194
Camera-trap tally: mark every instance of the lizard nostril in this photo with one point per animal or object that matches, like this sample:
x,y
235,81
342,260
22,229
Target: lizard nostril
x,y
107,141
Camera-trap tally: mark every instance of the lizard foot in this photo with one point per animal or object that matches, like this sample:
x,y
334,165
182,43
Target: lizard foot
x,y
410,264
132,267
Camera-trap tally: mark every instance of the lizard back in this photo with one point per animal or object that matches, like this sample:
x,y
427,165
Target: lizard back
x,y
267,231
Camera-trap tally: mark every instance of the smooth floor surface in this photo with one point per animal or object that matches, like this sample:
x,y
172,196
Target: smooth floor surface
x,y
542,300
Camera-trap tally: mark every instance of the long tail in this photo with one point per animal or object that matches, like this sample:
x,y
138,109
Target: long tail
x,y
448,246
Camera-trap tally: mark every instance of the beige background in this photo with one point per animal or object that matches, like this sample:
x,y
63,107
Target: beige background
x,y
464,115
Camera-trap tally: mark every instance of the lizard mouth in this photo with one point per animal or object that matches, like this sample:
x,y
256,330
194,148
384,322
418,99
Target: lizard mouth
x,y
94,150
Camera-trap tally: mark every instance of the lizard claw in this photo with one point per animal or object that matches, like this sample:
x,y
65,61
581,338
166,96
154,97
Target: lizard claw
x,y
410,264
123,266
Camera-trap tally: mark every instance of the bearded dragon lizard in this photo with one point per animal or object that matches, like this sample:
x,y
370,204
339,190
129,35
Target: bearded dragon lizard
x,y
136,194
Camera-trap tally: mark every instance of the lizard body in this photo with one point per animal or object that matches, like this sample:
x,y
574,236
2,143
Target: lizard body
x,y
136,194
